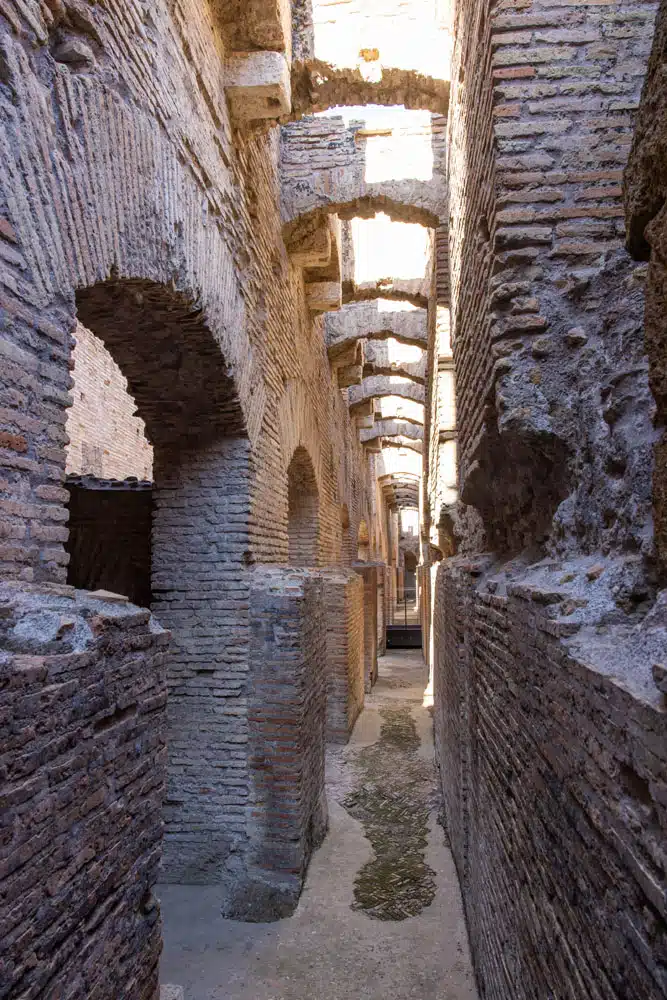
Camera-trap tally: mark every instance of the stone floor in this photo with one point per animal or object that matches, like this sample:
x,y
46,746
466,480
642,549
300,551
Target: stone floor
x,y
381,911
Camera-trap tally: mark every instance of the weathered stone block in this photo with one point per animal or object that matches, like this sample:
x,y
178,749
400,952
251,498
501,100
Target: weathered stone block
x,y
324,296
257,85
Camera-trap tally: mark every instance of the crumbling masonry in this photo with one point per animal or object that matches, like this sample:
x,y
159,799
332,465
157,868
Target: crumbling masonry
x,y
250,326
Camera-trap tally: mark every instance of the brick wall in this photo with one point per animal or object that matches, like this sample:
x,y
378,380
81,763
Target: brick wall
x,y
344,613
550,743
553,404
325,163
82,694
369,572
109,541
105,438
131,203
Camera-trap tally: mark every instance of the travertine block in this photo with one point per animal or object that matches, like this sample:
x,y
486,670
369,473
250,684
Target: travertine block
x,y
324,296
258,85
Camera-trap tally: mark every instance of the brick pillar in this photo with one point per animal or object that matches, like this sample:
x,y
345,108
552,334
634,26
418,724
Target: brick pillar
x,y
201,588
286,816
344,614
401,585
382,617
369,573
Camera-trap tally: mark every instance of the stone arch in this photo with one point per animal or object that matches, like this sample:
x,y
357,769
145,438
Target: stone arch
x,y
392,428
382,359
173,365
412,290
318,86
302,510
376,386
402,201
360,319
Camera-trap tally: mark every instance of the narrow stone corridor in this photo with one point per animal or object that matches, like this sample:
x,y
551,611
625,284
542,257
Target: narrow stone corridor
x,y
381,910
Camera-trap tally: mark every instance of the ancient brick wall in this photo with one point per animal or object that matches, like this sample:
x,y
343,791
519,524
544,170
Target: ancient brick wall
x,y
369,572
552,397
105,438
132,202
82,694
288,662
325,163
645,188
550,742
109,543
343,596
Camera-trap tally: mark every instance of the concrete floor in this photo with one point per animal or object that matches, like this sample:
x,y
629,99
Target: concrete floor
x,y
327,950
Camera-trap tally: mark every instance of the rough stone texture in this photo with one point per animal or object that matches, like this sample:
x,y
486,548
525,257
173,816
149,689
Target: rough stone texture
x,y
83,758
287,697
554,412
343,594
357,320
645,188
109,541
105,438
255,24
550,740
392,428
376,386
257,85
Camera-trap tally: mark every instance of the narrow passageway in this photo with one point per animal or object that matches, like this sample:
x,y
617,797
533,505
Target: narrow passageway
x,y
380,914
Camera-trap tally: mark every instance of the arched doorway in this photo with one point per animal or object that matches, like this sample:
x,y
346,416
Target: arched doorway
x,y
303,507
178,377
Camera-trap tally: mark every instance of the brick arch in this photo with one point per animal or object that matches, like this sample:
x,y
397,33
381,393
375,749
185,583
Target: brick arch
x,y
302,510
200,538
133,214
173,364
